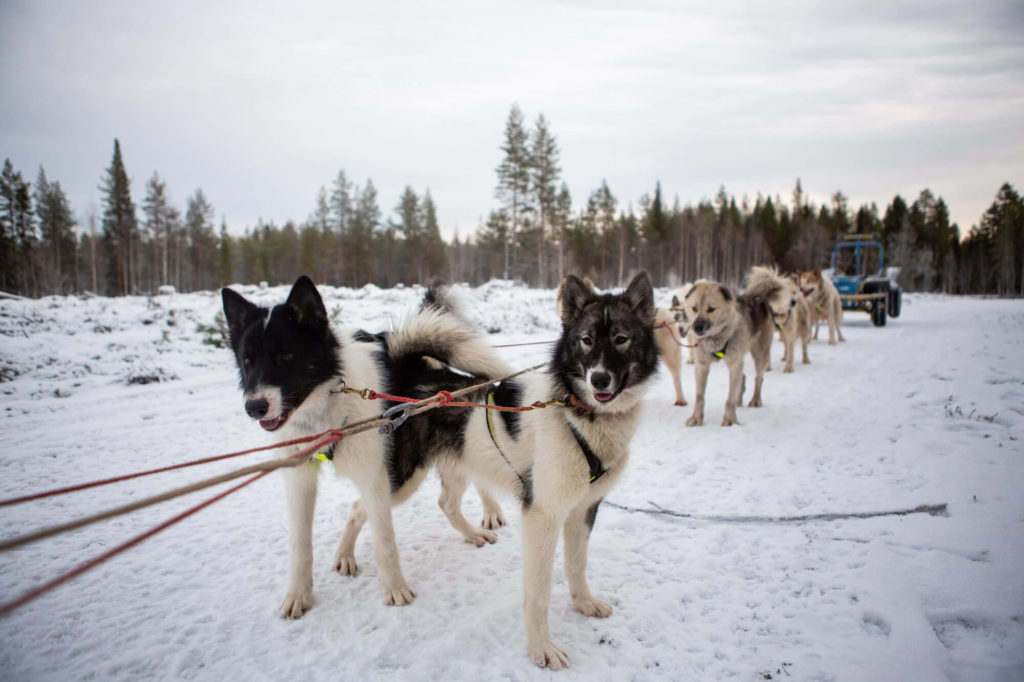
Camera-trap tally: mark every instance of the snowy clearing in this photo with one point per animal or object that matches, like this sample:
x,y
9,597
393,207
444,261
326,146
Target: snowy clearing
x,y
771,572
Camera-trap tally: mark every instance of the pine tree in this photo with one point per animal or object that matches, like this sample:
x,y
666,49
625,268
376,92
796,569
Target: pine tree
x,y
513,177
655,229
56,225
321,223
8,242
23,223
544,173
341,209
224,268
434,249
119,225
361,231
17,233
560,220
1003,226
157,223
199,226
409,229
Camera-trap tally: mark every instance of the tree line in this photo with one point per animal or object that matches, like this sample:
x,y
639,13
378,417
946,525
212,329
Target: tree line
x,y
534,235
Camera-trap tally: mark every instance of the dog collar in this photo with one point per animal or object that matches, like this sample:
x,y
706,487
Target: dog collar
x,y
328,454
789,314
597,469
721,353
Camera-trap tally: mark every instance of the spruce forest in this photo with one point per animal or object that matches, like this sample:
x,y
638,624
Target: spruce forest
x,y
536,233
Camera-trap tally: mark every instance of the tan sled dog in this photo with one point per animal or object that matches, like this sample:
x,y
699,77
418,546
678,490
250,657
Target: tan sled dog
x,y
725,327
671,328
793,320
824,303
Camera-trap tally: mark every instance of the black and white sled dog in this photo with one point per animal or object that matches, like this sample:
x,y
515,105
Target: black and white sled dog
x,y
291,364
559,462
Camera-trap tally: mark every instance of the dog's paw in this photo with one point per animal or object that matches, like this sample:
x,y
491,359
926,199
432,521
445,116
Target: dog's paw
x,y
593,607
788,369
695,421
346,565
681,402
295,604
729,421
831,342
549,656
754,402
400,595
492,521
482,537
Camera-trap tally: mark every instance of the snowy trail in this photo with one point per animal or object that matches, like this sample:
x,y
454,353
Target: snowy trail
x,y
927,410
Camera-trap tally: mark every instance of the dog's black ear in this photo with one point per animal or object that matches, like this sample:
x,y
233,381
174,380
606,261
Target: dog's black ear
x,y
726,294
239,313
675,301
306,301
639,296
573,296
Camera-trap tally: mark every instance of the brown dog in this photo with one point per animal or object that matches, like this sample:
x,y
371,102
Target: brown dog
x,y
671,327
793,320
823,300
726,327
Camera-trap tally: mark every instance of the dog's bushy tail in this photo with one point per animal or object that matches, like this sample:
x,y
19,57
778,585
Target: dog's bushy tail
x,y
441,331
763,283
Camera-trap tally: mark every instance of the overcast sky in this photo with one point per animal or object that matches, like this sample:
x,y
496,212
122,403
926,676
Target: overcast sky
x,y
261,105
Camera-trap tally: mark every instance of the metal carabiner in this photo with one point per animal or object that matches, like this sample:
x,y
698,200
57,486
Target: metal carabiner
x,y
402,410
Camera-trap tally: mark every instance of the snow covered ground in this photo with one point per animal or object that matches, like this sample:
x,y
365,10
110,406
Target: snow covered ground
x,y
927,410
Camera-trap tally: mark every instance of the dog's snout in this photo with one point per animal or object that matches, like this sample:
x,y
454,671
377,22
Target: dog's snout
x,y
600,380
257,408
700,325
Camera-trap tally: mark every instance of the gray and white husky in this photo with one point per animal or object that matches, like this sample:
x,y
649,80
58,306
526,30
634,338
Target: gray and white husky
x,y
559,462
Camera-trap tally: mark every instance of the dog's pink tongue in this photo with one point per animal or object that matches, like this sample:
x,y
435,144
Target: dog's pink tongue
x,y
603,397
270,424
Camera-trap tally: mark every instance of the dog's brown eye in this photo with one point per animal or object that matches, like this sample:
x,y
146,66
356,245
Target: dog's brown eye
x,y
621,339
587,341
284,358
695,309
711,309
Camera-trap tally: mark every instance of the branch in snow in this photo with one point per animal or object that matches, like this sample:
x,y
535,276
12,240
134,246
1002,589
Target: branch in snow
x,y
932,509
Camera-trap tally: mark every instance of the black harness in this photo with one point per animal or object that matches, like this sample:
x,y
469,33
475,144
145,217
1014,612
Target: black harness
x,y
597,469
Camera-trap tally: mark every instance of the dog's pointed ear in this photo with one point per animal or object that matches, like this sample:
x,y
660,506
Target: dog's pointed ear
x,y
573,295
639,296
238,312
817,273
305,300
726,294
675,301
